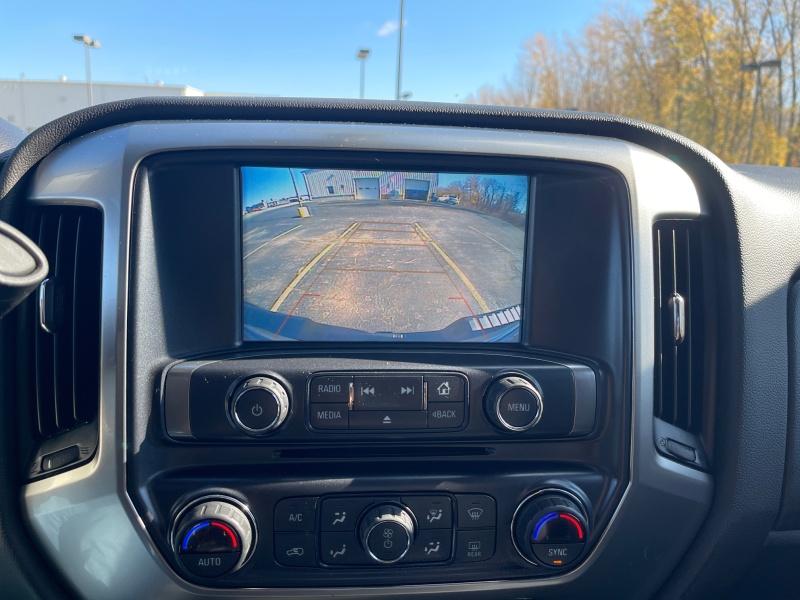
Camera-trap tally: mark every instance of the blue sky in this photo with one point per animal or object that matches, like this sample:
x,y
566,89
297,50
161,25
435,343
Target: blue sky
x,y
287,47
270,183
513,183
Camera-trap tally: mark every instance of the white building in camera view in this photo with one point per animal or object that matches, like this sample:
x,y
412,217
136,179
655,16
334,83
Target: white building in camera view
x,y
29,104
370,185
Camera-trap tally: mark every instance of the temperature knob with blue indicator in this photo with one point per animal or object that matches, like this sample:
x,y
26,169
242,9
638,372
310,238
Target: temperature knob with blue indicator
x,y
550,528
213,536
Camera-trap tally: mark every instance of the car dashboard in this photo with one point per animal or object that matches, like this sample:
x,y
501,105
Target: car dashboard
x,y
368,388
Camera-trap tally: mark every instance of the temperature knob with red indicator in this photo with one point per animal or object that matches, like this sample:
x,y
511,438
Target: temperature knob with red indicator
x,y
213,536
550,528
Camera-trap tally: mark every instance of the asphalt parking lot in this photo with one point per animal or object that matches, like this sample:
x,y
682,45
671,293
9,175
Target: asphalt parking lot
x,y
381,266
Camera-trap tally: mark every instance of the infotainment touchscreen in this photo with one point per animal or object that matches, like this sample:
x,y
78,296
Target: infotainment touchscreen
x,y
353,255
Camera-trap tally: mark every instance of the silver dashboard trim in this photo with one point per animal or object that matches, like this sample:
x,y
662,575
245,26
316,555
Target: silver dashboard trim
x,y
177,418
585,388
84,520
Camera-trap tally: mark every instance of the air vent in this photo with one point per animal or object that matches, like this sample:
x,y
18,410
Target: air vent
x,y
66,328
679,357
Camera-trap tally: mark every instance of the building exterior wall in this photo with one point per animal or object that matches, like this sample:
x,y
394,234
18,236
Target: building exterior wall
x,y
31,104
328,183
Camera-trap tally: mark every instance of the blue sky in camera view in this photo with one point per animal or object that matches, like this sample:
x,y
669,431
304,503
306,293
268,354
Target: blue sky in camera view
x,y
286,48
275,183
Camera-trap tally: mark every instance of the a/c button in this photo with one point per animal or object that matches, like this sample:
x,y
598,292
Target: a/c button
x,y
295,514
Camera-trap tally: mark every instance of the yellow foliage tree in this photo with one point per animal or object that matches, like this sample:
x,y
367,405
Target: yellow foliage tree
x,y
721,72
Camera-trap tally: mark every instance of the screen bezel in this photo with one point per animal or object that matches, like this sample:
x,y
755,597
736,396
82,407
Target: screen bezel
x,y
396,162
191,201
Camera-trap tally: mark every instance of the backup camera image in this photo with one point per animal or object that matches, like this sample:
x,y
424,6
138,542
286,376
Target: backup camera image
x,y
354,255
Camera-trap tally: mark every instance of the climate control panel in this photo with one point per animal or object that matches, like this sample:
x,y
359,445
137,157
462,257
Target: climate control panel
x,y
216,536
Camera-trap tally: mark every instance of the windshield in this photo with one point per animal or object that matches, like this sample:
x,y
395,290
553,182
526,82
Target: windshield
x,y
721,72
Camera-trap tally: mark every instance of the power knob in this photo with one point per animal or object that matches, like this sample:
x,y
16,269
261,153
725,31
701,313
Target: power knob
x,y
513,403
551,528
259,405
213,536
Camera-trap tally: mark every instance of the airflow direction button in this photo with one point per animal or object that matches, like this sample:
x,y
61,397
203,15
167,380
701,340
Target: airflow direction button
x,y
431,545
431,512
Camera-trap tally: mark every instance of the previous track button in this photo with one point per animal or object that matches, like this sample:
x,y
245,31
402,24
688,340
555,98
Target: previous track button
x,y
387,392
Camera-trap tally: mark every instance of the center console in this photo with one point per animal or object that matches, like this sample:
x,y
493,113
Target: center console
x,y
424,374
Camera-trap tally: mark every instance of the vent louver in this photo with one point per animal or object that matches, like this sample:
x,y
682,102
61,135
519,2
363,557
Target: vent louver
x,y
67,323
679,357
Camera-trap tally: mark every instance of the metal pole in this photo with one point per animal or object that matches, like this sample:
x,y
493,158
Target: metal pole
x,y
363,65
755,112
296,189
780,98
400,50
88,75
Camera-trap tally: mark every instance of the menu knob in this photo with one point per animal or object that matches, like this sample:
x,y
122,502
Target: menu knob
x,y
513,403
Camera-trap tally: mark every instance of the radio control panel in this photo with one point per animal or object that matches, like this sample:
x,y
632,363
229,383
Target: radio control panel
x,y
297,400
393,402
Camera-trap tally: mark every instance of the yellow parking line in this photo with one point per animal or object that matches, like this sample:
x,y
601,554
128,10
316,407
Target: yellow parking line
x,y
472,290
305,270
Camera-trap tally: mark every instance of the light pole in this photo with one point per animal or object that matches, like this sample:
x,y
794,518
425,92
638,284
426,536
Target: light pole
x,y
363,55
400,50
87,43
757,66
